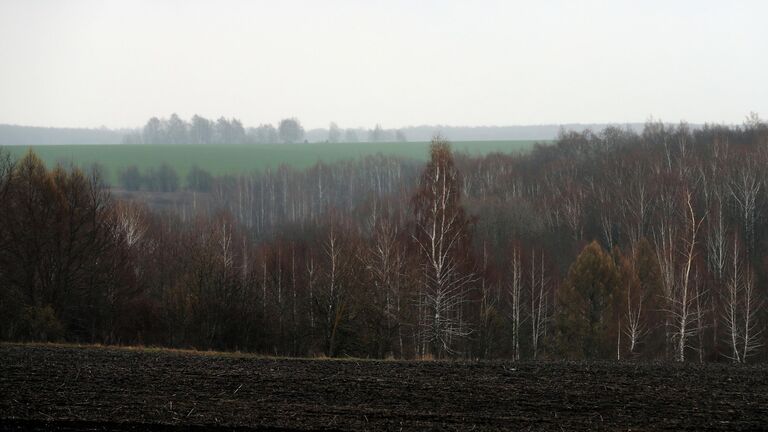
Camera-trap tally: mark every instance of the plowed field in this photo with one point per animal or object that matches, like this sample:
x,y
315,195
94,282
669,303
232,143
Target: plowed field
x,y
68,388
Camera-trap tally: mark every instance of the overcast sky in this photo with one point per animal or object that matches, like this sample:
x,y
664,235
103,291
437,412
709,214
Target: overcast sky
x,y
117,63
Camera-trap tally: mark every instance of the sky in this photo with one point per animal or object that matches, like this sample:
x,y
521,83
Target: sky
x,y
83,63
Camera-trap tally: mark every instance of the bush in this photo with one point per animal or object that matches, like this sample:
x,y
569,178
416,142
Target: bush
x,y
130,178
199,180
163,179
40,323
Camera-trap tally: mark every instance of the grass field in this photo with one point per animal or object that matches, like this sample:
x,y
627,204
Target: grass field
x,y
59,387
235,159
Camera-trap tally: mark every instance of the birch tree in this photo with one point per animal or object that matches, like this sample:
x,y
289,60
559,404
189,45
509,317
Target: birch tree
x,y
515,300
633,316
685,297
539,312
385,265
441,235
740,308
745,188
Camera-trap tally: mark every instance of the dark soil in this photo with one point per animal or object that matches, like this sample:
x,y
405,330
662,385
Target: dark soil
x,y
58,388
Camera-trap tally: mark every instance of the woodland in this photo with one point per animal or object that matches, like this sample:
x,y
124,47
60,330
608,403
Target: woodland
x,y
614,245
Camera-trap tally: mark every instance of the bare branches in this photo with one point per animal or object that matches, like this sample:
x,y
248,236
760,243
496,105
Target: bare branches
x,y
384,261
515,296
540,313
745,189
635,328
685,296
741,306
441,232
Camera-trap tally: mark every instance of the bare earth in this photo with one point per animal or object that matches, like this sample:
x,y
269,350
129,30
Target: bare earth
x,y
67,388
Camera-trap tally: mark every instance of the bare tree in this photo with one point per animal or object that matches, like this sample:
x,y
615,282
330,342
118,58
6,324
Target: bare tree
x,y
635,328
637,202
515,290
333,296
740,305
716,237
224,244
685,297
489,302
311,282
386,267
701,297
573,200
540,313
334,290
666,257
751,305
441,236
745,188
606,197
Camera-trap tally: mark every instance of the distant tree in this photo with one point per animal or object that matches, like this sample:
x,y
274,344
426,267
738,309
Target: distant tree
x,y
400,136
167,178
757,129
376,134
130,178
334,133
163,179
177,130
223,132
152,133
201,130
351,136
6,170
290,130
131,138
753,121
237,132
199,180
586,306
98,171
264,134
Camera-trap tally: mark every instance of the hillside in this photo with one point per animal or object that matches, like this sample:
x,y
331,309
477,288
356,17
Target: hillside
x,y
242,159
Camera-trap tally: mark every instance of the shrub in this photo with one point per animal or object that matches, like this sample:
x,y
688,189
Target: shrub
x,y
40,323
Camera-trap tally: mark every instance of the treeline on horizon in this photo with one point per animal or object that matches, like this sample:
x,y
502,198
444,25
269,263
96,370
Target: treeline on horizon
x,y
200,130
17,135
609,245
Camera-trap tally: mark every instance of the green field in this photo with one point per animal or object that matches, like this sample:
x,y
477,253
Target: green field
x,y
235,159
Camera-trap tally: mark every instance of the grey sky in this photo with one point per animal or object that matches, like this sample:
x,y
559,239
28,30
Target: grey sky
x,y
116,63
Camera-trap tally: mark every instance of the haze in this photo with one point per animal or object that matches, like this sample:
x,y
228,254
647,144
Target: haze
x,y
92,63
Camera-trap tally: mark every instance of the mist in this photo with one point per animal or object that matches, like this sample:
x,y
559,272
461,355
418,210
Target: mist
x,y
87,64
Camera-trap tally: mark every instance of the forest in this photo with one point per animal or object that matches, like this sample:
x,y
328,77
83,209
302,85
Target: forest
x,y
615,244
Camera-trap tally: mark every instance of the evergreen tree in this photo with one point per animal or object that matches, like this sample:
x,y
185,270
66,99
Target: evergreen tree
x,y
587,306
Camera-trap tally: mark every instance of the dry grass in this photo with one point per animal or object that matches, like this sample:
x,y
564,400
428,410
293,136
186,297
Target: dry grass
x,y
142,348
192,352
